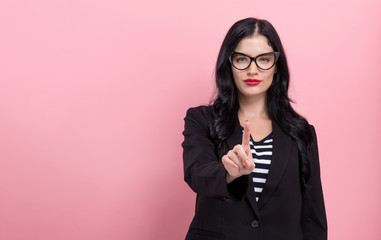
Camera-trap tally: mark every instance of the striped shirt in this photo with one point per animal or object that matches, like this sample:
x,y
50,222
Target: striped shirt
x,y
262,152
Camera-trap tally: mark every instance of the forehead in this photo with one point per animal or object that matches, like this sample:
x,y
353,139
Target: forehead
x,y
254,45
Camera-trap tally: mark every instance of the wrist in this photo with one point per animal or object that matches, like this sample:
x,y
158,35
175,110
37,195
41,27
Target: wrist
x,y
229,178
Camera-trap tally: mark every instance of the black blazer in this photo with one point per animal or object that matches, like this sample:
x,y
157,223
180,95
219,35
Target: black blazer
x,y
229,211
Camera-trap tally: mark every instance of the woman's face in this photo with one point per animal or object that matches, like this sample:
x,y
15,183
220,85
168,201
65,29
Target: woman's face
x,y
245,79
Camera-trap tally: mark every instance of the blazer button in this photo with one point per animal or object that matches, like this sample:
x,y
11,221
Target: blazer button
x,y
254,224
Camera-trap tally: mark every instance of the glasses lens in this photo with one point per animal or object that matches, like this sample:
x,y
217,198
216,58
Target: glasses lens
x,y
265,61
240,61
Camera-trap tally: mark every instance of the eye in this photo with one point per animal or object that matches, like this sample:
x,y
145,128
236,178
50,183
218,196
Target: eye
x,y
241,59
264,59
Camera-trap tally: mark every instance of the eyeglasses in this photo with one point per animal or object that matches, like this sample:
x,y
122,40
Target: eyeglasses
x,y
264,61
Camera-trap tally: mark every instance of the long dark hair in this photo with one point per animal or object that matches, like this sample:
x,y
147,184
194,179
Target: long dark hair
x,y
278,103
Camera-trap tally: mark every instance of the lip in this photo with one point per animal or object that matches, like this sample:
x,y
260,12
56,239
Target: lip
x,y
252,82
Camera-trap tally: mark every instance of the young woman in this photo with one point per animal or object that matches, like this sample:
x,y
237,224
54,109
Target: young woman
x,y
252,160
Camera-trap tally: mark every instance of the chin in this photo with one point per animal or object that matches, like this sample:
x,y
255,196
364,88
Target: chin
x,y
255,92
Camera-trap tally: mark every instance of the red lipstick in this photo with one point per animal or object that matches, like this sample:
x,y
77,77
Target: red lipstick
x,y
252,82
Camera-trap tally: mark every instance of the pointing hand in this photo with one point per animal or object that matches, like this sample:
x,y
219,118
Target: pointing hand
x,y
239,160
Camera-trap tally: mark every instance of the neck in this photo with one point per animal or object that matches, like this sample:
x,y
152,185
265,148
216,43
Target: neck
x,y
253,107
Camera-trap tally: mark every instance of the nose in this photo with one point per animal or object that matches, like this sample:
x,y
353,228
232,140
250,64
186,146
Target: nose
x,y
253,68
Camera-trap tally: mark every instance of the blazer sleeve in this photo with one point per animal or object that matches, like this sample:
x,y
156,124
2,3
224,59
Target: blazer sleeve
x,y
314,215
203,171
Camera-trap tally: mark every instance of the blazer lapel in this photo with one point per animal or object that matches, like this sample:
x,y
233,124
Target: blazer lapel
x,y
234,139
282,145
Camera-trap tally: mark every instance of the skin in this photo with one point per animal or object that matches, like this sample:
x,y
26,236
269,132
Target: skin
x,y
252,113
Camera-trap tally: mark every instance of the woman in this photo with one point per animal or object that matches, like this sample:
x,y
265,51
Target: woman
x,y
251,159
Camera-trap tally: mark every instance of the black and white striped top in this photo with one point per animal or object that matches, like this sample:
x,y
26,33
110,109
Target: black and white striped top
x,y
262,152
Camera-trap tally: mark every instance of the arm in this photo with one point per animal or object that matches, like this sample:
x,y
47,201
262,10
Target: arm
x,y
203,171
314,216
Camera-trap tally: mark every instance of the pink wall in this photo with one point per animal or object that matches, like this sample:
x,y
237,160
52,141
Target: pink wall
x,y
93,95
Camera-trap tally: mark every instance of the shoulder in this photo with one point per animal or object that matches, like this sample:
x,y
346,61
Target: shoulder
x,y
309,132
199,119
312,131
313,138
202,112
202,109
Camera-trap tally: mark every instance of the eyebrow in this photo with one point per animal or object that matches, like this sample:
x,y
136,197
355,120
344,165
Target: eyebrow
x,y
251,56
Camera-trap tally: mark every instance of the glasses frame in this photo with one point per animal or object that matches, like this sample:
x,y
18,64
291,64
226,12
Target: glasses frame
x,y
276,54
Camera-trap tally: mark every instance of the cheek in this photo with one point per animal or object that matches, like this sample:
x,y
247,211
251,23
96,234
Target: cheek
x,y
269,79
236,76
270,76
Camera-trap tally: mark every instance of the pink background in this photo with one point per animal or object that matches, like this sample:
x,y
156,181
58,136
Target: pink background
x,y
93,96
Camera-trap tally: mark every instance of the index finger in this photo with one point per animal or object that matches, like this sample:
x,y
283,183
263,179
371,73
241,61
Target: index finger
x,y
246,137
